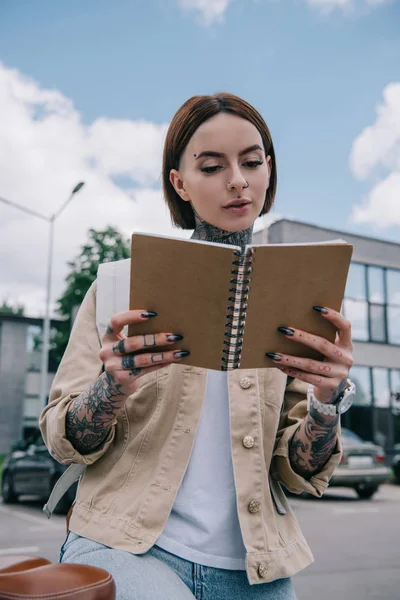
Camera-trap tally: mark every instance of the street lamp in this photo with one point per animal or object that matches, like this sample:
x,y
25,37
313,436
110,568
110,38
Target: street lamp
x,y
46,319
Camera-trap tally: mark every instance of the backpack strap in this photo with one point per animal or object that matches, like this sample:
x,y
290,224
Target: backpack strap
x,y
112,292
62,485
112,297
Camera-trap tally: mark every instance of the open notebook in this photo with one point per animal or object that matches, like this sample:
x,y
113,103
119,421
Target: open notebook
x,y
228,304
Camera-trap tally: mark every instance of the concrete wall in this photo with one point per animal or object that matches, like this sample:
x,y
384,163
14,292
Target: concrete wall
x,y
367,250
12,381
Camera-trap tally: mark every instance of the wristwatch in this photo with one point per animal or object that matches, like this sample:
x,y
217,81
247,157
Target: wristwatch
x,y
340,405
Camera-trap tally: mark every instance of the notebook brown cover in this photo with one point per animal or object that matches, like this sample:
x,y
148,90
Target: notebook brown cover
x,y
286,282
187,283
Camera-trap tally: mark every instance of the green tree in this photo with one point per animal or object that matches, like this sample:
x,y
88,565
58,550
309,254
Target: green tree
x,y
102,246
10,309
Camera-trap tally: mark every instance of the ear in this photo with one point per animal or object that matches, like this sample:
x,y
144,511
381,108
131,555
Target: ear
x,y
177,182
269,165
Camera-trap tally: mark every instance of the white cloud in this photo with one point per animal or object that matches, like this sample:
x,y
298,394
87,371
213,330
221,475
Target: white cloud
x,y
213,11
328,5
348,6
382,205
207,11
45,149
375,151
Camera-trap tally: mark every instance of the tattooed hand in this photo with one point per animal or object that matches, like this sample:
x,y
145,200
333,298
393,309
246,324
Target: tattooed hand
x,y
327,375
119,353
315,439
91,415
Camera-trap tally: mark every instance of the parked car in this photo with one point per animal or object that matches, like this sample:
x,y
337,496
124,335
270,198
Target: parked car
x,y
362,466
29,470
396,463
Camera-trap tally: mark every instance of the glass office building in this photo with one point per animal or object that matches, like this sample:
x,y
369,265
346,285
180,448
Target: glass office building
x,y
372,304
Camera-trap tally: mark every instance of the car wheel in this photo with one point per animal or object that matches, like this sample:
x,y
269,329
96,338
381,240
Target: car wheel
x,y
7,489
397,475
365,492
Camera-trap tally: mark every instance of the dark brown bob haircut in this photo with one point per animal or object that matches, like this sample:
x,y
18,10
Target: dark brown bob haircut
x,y
193,113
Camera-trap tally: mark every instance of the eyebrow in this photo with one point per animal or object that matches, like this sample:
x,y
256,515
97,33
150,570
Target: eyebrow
x,y
222,155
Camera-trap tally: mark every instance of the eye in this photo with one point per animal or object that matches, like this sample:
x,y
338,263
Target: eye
x,y
212,169
253,163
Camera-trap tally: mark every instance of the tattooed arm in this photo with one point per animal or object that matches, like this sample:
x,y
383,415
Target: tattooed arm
x,y
313,443
91,415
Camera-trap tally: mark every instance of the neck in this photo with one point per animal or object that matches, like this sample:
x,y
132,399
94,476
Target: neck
x,y
210,233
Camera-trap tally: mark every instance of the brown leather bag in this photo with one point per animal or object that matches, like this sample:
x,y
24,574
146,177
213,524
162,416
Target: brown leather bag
x,y
34,578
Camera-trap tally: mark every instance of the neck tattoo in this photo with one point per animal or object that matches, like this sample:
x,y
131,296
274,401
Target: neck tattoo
x,y
210,233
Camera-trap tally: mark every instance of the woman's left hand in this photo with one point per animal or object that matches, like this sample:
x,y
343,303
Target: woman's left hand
x,y
326,375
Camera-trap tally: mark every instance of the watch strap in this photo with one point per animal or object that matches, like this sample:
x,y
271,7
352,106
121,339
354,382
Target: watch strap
x,y
328,408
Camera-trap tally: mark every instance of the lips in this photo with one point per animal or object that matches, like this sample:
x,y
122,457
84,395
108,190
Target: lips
x,y
237,202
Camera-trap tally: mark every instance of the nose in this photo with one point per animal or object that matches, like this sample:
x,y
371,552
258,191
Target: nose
x,y
238,183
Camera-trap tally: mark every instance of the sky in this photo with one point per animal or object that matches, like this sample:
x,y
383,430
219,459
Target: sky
x,y
87,90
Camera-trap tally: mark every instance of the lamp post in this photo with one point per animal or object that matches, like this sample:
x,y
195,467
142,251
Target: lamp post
x,y
46,320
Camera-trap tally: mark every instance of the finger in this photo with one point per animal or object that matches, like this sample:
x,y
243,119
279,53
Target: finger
x,y
315,367
147,359
126,376
331,351
139,342
342,325
326,384
119,321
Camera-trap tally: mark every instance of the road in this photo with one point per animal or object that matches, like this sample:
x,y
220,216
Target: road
x,y
356,544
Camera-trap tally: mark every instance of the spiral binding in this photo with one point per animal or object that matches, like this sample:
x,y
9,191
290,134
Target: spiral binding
x,y
237,310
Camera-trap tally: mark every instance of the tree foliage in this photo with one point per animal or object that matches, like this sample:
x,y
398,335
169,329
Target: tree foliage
x,y
102,246
11,309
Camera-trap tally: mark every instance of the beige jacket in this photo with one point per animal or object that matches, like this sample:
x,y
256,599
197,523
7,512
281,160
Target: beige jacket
x,y
130,482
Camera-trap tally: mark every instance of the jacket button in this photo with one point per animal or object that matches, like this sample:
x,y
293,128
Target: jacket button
x,y
254,506
262,570
248,441
245,383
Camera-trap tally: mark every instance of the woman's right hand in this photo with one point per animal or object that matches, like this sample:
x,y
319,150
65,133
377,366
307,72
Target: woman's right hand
x,y
118,352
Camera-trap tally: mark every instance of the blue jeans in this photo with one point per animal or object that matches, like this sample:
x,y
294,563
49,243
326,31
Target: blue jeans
x,y
159,575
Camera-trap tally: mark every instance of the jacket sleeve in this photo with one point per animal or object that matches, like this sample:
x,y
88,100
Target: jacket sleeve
x,y
293,413
79,368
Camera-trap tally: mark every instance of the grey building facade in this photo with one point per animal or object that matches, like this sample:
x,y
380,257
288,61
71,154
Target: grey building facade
x,y
19,378
372,304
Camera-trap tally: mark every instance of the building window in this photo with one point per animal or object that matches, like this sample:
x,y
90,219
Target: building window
x,y
393,300
377,322
356,311
394,324
376,285
381,388
372,303
362,379
395,389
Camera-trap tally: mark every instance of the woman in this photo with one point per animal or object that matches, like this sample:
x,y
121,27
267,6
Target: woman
x,y
181,495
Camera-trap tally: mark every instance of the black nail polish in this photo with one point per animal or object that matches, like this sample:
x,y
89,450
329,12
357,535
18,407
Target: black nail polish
x,y
148,314
286,330
175,337
321,309
273,355
181,354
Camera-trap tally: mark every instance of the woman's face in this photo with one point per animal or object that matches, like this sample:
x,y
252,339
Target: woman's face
x,y
224,172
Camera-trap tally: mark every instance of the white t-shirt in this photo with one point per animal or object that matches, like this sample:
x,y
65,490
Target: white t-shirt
x,y
203,526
